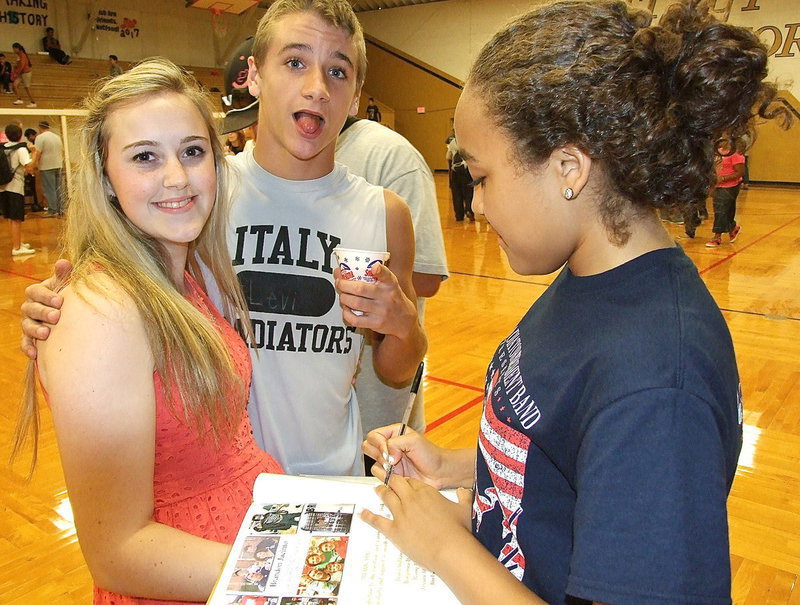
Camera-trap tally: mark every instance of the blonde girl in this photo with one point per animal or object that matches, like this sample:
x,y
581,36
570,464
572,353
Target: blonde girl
x,y
146,380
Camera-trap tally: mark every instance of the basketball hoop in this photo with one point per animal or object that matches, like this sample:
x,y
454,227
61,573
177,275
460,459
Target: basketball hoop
x,y
218,23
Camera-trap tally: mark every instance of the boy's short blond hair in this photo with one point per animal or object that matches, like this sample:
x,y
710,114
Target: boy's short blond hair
x,y
338,13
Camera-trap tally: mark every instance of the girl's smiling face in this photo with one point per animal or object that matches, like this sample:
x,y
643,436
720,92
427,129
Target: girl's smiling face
x,y
160,166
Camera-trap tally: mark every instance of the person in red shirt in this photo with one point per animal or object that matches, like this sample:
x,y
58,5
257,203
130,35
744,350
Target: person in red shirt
x,y
730,170
21,74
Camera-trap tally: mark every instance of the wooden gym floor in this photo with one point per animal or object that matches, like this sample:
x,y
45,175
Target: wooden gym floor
x,y
756,282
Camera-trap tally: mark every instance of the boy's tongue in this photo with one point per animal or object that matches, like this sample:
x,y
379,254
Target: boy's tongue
x,y
307,122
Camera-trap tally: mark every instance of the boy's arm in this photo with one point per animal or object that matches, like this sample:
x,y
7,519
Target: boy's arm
x,y
426,285
418,190
396,354
388,306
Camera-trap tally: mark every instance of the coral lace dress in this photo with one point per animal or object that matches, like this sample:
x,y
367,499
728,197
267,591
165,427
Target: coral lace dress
x,y
199,487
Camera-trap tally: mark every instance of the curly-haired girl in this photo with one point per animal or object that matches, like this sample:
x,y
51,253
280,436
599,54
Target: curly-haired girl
x,y
612,413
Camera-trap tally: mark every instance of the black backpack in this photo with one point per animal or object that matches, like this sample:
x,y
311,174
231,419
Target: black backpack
x,y
6,174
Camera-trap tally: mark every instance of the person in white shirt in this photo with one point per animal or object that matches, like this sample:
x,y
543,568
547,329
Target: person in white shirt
x,y
13,197
49,158
386,158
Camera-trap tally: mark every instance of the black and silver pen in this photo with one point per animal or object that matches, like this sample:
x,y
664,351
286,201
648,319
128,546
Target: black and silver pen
x,y
407,414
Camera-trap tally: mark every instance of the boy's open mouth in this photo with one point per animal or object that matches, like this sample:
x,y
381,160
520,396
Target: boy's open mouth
x,y
309,123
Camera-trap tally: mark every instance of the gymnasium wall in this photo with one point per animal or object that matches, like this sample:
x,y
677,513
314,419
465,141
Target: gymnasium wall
x,y
773,157
130,30
422,99
448,35
442,37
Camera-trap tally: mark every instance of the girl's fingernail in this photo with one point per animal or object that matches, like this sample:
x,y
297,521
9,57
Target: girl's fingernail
x,y
385,456
391,459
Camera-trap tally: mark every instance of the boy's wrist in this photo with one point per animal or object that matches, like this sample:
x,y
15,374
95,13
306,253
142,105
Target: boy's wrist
x,y
407,326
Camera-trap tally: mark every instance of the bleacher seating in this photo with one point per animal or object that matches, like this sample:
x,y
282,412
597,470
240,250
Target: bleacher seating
x,y
57,86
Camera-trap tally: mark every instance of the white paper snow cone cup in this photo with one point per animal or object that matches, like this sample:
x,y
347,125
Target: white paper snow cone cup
x,y
358,264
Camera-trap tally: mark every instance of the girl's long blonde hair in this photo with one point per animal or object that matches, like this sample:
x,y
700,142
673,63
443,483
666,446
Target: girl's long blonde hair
x,y
188,350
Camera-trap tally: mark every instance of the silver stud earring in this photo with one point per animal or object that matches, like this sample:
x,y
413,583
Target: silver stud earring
x,y
569,193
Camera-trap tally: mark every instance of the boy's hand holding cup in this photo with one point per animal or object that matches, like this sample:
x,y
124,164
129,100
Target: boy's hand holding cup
x,y
358,265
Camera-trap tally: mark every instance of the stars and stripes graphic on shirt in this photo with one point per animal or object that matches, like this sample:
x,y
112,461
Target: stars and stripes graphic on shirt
x,y
504,450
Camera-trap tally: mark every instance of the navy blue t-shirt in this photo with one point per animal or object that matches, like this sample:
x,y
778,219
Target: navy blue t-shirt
x,y
609,439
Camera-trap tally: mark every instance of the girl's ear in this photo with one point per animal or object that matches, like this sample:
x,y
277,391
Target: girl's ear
x,y
574,167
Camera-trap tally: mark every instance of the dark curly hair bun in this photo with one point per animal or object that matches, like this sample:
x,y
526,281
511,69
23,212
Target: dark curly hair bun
x,y
649,102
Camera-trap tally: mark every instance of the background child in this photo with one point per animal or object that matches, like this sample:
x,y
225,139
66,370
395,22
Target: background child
x,y
729,167
13,196
5,74
114,68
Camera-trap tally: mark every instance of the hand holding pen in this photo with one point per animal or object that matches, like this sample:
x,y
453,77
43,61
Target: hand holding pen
x,y
407,414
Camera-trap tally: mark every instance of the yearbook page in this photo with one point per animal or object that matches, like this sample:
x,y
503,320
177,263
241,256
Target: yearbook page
x,y
302,542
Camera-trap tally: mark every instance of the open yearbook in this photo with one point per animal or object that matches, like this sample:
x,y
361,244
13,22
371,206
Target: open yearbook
x,y
303,542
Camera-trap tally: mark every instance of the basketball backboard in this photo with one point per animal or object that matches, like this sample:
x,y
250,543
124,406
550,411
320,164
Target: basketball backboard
x,y
235,7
